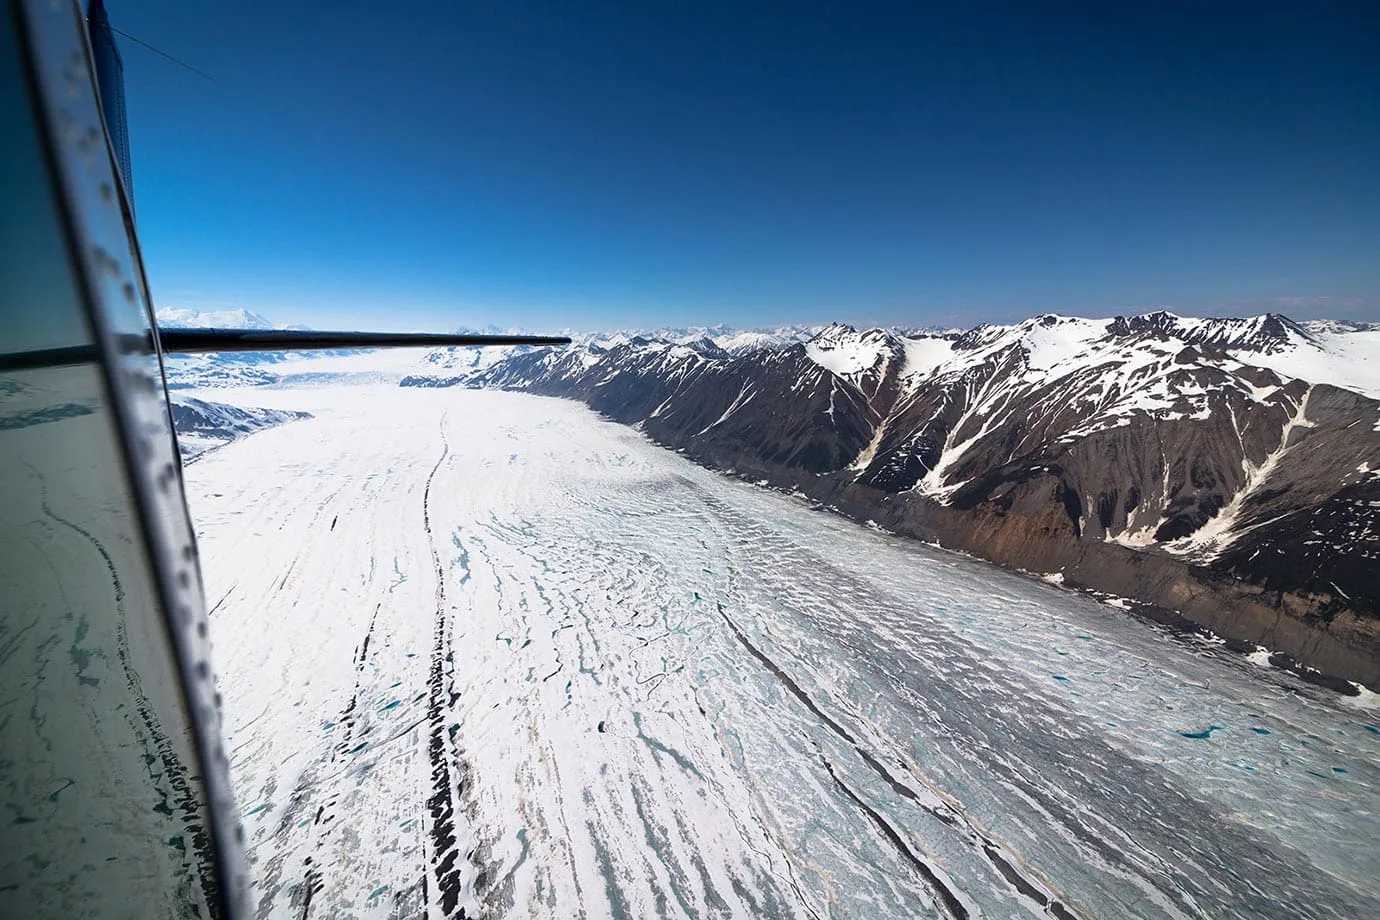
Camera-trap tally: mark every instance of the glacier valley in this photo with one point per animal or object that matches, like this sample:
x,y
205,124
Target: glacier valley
x,y
486,654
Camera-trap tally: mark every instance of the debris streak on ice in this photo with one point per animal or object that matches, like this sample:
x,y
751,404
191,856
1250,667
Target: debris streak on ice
x,y
486,652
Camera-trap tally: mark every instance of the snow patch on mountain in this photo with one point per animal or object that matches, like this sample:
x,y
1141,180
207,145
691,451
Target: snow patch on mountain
x,y
1342,357
926,353
1208,541
845,352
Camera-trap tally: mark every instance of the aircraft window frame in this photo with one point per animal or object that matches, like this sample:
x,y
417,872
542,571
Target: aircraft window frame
x,y
108,270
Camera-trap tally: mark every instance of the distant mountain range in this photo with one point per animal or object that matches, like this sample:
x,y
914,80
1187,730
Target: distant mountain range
x,y
1222,470
174,317
1226,471
272,368
262,368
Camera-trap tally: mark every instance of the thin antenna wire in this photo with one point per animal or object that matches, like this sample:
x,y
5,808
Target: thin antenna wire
x,y
163,53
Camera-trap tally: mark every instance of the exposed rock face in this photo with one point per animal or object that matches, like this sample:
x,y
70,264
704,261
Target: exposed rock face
x,y
1228,470
203,426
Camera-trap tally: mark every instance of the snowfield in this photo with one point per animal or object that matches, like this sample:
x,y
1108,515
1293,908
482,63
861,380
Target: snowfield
x,y
486,652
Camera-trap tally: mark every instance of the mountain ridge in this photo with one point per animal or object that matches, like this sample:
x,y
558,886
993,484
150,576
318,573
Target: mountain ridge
x,y
1222,469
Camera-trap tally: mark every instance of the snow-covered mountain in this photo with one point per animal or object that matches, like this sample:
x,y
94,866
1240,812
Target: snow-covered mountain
x,y
449,366
736,341
203,426
1226,469
435,367
183,318
730,339
218,370
266,368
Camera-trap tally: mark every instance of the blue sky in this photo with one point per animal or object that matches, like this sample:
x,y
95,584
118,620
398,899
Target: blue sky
x,y
590,165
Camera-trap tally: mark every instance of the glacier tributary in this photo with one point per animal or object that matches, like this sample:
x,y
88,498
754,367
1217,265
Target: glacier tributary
x,y
488,653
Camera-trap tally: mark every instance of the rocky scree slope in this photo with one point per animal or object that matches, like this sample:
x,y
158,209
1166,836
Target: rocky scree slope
x,y
1224,470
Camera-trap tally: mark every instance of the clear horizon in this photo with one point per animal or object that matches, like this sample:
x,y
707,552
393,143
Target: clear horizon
x,y
1280,308
440,165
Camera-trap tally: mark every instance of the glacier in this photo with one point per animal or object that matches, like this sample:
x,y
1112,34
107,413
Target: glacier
x,y
488,653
